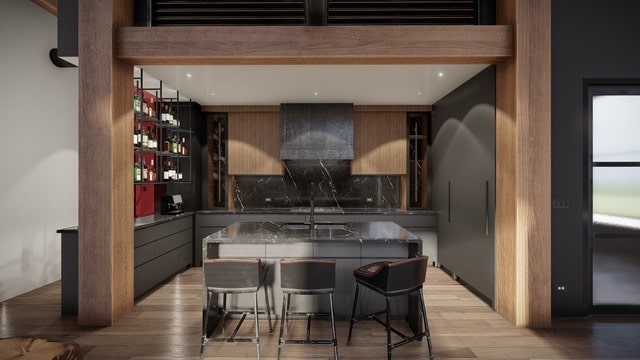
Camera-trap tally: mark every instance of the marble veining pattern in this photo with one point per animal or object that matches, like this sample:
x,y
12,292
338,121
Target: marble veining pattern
x,y
280,232
330,182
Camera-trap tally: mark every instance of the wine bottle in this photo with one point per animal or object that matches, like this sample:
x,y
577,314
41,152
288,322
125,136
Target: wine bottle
x,y
184,147
138,136
165,171
145,138
152,172
145,171
179,171
172,171
174,145
137,175
152,140
152,107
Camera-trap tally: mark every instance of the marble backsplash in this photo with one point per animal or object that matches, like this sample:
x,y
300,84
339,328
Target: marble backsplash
x,y
329,180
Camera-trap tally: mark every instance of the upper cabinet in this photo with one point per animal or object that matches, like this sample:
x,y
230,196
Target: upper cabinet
x,y
380,143
254,143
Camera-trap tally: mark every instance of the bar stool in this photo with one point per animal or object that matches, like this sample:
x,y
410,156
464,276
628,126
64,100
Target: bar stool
x,y
392,279
234,276
307,277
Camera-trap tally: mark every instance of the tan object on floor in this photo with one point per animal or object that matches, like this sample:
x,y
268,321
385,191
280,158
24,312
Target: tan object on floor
x,y
32,348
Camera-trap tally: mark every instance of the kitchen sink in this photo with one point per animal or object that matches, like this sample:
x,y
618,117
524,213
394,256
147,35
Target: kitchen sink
x,y
317,226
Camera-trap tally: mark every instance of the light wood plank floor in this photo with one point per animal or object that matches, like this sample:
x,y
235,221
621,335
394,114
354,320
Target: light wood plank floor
x,y
166,324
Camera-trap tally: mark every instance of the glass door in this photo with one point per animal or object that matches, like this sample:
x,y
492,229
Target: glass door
x,y
615,197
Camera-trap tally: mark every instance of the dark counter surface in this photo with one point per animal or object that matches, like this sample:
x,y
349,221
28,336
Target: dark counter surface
x,y
278,233
139,223
321,211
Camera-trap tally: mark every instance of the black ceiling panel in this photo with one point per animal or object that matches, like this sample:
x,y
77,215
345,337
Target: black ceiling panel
x,y
311,12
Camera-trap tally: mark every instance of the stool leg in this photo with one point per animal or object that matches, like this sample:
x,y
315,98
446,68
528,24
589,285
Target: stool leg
x,y
333,328
353,313
426,324
266,299
388,318
255,316
205,323
283,319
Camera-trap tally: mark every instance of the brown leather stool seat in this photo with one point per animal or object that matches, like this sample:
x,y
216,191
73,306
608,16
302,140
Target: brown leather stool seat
x,y
391,279
27,347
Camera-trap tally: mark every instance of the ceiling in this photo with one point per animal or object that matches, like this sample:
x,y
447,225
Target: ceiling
x,y
275,84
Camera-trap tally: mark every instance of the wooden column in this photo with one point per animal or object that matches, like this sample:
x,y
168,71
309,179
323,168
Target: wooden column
x,y
523,166
105,254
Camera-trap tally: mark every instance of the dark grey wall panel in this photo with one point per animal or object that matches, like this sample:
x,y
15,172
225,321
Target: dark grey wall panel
x,y
463,168
591,39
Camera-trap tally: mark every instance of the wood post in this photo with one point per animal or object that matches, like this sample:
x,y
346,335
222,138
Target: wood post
x,y
105,231
523,166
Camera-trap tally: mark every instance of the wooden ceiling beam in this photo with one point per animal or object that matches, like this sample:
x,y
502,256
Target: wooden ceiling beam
x,y
49,5
215,45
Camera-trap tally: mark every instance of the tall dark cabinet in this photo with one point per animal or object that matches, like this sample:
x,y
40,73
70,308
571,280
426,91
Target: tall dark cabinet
x,y
463,167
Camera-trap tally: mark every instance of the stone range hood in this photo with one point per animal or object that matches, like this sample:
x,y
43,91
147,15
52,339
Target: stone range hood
x,y
321,131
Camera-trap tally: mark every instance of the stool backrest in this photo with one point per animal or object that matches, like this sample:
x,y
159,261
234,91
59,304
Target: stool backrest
x,y
406,274
233,275
307,274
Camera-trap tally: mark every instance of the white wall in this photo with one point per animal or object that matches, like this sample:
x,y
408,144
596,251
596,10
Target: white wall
x,y
38,149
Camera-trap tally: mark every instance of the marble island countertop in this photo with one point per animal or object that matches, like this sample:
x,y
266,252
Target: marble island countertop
x,y
320,211
282,232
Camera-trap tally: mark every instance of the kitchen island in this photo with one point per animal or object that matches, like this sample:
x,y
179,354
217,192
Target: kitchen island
x,y
351,244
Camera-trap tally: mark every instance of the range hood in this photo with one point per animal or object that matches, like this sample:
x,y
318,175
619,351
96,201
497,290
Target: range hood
x,y
316,131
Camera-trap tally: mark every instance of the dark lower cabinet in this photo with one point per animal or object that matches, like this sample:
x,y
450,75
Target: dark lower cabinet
x,y
161,249
160,252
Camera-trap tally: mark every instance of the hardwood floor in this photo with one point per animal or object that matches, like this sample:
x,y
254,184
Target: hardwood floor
x,y
166,325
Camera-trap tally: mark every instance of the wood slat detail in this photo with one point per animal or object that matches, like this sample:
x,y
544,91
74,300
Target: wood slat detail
x,y
254,144
379,143
463,44
105,254
523,160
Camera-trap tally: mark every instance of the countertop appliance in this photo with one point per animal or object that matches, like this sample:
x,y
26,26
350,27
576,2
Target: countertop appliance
x,y
171,204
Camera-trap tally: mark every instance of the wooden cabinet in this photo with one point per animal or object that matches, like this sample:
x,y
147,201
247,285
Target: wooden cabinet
x,y
254,143
380,143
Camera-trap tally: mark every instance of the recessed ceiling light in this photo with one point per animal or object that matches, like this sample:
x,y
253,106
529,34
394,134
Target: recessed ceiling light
x,y
315,93
419,93
189,75
213,93
440,74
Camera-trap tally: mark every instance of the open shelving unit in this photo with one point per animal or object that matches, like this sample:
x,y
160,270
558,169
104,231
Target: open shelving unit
x,y
164,118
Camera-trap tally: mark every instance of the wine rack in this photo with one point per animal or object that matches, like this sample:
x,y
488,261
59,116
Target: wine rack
x,y
217,158
163,128
162,144
417,126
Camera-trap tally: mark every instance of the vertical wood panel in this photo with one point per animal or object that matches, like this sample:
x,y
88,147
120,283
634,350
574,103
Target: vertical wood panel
x,y
523,158
105,252
254,143
379,143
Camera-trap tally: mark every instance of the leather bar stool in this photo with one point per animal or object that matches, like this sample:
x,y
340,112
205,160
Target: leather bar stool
x,y
307,277
234,276
391,279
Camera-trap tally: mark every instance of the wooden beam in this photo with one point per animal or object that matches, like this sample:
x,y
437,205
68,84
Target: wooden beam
x,y
523,167
105,124
436,44
49,5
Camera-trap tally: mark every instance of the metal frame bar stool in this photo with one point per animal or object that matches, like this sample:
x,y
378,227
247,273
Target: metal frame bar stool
x,y
307,277
391,279
234,276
